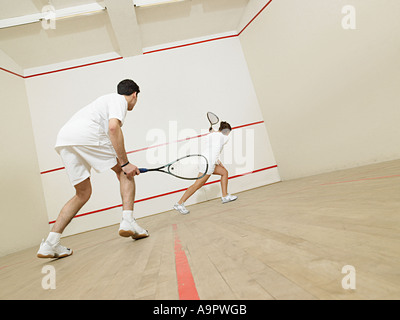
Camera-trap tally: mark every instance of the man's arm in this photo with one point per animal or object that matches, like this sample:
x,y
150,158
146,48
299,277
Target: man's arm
x,y
117,140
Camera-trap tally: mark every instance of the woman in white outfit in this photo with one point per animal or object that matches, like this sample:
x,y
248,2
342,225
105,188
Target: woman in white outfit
x,y
214,144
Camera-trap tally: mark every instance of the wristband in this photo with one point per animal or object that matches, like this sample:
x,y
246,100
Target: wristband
x,y
125,164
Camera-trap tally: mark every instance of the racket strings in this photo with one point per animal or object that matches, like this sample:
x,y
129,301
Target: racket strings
x,y
212,118
188,167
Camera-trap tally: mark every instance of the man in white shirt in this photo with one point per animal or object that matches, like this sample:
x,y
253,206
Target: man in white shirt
x,y
214,144
93,138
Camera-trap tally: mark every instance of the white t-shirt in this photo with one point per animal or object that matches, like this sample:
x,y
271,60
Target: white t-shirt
x,y
89,126
213,146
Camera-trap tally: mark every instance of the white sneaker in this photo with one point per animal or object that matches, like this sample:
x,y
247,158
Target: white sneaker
x,y
49,250
228,198
181,208
132,229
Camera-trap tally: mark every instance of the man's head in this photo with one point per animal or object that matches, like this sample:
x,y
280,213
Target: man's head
x,y
225,128
130,90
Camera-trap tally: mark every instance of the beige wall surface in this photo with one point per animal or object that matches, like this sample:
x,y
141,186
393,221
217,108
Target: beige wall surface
x,y
330,96
23,217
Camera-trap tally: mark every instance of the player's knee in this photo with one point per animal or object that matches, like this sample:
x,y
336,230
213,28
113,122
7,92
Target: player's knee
x,y
84,194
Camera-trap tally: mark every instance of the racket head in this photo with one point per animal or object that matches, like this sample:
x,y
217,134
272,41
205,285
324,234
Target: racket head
x,y
212,118
189,167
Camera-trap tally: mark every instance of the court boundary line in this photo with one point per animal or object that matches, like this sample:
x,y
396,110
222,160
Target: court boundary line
x,y
167,193
164,144
145,52
358,180
186,285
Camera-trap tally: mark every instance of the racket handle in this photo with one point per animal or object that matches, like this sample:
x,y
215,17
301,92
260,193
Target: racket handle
x,y
143,170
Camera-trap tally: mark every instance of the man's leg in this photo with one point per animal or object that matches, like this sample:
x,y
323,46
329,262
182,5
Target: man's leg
x,y
51,248
127,188
129,226
71,208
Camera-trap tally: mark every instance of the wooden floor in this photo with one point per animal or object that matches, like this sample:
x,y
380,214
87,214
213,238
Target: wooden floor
x,y
289,240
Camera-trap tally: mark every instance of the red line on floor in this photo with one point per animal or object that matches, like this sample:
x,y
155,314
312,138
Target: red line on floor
x,y
357,180
186,285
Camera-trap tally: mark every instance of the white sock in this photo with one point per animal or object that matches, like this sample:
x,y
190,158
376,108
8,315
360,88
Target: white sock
x,y
128,215
54,237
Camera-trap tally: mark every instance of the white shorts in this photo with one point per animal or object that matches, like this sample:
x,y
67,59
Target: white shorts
x,y
78,160
211,167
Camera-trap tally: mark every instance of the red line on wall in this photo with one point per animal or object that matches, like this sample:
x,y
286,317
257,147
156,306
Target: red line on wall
x,y
213,39
59,70
15,74
91,212
70,68
164,144
167,143
148,52
168,193
186,285
248,124
191,44
52,170
245,27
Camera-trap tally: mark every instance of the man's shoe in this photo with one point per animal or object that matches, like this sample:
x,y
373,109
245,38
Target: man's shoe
x,y
132,229
49,250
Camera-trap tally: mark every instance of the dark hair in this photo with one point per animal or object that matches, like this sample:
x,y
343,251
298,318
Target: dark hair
x,y
224,125
127,87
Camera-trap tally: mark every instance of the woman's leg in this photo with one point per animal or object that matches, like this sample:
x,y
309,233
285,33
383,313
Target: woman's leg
x,y
193,188
220,170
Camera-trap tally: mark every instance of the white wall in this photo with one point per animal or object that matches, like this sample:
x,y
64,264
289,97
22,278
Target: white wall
x,y
178,87
329,96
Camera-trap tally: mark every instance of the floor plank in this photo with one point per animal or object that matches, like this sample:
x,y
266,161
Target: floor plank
x,y
289,240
